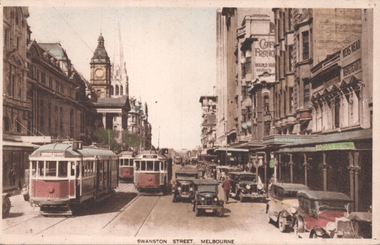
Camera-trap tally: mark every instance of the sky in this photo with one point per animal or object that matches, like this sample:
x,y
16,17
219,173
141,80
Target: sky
x,y
170,55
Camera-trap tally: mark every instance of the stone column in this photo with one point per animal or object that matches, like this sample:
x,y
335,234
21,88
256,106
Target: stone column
x,y
279,168
356,168
324,171
265,171
291,163
352,170
306,165
104,120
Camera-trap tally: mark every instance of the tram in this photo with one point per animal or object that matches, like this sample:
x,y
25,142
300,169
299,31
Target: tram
x,y
65,175
126,165
151,171
177,160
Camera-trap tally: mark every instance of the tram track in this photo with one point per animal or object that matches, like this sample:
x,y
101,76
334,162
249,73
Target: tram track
x,y
146,218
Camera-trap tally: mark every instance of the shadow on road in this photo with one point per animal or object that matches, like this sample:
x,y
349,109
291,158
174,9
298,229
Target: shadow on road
x,y
13,215
110,205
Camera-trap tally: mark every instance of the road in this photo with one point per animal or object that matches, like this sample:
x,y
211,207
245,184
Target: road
x,y
127,217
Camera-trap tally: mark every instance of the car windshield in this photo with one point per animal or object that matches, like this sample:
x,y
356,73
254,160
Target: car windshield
x,y
290,194
248,178
332,205
208,188
193,176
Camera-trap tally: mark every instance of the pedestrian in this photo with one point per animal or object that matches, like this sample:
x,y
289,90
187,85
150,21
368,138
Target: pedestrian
x,y
226,188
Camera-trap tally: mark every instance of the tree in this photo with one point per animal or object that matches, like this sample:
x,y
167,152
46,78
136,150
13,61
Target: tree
x,y
107,137
132,140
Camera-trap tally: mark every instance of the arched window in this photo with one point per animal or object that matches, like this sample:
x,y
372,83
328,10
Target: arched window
x,y
121,90
117,90
266,103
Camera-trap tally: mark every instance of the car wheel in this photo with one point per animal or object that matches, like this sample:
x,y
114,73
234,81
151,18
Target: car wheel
x,y
313,235
6,207
281,223
219,213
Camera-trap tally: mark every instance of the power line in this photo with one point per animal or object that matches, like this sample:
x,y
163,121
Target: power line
x,y
74,30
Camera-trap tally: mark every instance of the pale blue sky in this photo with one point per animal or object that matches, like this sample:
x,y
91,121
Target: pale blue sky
x,y
170,56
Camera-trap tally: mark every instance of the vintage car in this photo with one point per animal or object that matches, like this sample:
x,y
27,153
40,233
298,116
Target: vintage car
x,y
354,225
223,171
183,187
318,212
283,204
245,185
206,197
6,204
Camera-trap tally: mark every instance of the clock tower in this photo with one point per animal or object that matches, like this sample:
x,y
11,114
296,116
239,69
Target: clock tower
x,y
100,78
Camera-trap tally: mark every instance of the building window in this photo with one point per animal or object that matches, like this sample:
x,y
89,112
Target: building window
x,y
56,86
50,82
291,106
49,118
266,104
290,56
43,78
305,45
61,121
72,123
5,124
17,42
82,122
306,94
117,90
121,90
112,90
336,112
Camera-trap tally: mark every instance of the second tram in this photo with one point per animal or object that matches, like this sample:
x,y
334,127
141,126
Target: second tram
x,y
64,175
126,165
151,171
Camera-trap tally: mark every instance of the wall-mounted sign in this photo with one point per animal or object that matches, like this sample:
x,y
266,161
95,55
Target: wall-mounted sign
x,y
305,115
355,46
336,146
351,68
265,55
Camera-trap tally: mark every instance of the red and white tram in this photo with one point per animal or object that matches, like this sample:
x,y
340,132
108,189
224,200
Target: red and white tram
x,y
151,171
126,165
64,175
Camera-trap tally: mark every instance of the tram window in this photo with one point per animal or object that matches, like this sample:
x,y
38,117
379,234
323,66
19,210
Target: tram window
x,y
34,168
137,165
51,168
121,162
40,168
156,165
149,166
130,162
143,165
72,168
62,169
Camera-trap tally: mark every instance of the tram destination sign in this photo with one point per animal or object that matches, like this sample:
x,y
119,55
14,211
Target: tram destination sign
x,y
336,146
52,154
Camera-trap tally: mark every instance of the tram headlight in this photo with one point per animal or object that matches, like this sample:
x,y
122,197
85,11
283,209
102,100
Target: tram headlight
x,y
179,188
202,199
248,187
215,199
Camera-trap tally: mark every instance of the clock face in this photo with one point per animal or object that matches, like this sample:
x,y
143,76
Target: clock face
x,y
99,72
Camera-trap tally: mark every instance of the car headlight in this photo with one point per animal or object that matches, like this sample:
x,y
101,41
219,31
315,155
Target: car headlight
x,y
260,186
202,199
179,188
293,210
248,187
215,199
331,226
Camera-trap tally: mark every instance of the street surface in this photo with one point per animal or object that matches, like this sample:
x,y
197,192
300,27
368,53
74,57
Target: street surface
x,y
127,217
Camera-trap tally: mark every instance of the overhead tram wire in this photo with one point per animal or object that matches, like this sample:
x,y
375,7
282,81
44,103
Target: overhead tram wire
x,y
79,36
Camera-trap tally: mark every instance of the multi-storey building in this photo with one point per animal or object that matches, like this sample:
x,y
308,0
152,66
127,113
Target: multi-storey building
x,y
208,134
323,100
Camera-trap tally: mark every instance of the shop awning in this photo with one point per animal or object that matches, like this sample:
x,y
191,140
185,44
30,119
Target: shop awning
x,y
232,149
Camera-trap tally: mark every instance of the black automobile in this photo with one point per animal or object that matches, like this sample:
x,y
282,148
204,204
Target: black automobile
x,y
244,185
183,187
206,197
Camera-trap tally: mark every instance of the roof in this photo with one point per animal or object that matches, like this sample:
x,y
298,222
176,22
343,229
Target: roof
x,y
100,53
243,173
55,49
323,195
205,182
111,102
126,153
292,187
187,171
68,151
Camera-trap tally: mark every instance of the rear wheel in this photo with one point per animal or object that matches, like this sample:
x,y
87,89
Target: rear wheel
x,y
6,206
282,223
219,213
